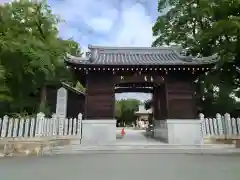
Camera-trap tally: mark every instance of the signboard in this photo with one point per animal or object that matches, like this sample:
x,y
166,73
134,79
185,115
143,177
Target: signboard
x,y
61,106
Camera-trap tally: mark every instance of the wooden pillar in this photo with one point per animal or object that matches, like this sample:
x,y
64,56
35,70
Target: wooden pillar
x,y
163,102
160,102
155,104
181,102
100,97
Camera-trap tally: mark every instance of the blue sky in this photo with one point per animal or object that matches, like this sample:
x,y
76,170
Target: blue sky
x,y
107,23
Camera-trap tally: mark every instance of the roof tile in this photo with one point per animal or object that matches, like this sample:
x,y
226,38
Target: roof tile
x,y
138,56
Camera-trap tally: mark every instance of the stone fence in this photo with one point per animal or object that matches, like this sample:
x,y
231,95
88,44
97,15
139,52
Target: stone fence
x,y
40,127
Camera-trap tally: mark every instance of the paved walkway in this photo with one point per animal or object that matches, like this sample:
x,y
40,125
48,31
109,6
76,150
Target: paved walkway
x,y
135,137
132,166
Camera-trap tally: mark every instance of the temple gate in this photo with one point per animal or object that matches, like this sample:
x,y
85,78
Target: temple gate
x,y
163,71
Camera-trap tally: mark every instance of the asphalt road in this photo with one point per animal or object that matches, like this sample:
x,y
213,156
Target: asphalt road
x,y
132,166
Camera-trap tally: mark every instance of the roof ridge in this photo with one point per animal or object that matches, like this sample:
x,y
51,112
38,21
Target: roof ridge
x,y
129,48
132,52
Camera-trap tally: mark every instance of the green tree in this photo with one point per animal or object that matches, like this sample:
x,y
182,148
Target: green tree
x,y
4,91
31,52
125,110
205,28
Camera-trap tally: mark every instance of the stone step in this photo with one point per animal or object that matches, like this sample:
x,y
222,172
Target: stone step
x,y
227,151
137,147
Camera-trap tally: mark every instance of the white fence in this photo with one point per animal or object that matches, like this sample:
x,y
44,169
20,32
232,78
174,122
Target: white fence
x,y
40,127
222,127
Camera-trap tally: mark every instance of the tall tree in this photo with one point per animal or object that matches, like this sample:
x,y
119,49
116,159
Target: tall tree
x,y
125,110
4,91
204,28
31,51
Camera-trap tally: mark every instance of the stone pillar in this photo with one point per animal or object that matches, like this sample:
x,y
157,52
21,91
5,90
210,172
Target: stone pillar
x,y
184,126
160,112
99,125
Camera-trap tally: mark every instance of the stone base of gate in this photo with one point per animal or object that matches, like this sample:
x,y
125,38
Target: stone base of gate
x,y
98,132
161,130
185,131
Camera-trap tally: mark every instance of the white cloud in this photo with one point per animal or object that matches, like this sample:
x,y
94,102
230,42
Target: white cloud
x,y
101,24
129,25
98,15
136,27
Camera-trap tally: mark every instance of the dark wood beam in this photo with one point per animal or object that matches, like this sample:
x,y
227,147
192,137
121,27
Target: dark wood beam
x,y
133,89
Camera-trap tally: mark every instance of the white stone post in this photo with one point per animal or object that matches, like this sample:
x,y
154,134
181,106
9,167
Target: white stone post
x,y
215,124
4,126
44,126
48,125
32,124
21,126
54,124
203,125
228,123
27,122
70,126
15,127
39,125
234,127
220,125
207,127
211,126
65,127
238,126
75,126
10,127
79,125
60,125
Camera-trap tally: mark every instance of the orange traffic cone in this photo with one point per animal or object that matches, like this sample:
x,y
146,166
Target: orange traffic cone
x,y
122,132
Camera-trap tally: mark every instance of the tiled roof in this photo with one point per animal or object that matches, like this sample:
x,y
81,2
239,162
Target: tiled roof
x,y
138,56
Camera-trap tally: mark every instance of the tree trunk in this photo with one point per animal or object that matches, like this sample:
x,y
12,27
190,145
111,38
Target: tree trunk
x,y
43,99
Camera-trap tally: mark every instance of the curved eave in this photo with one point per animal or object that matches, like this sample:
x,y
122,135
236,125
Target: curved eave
x,y
128,68
112,61
67,86
112,66
85,65
143,113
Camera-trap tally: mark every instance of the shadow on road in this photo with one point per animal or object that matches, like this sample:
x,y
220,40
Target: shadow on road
x,y
150,136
